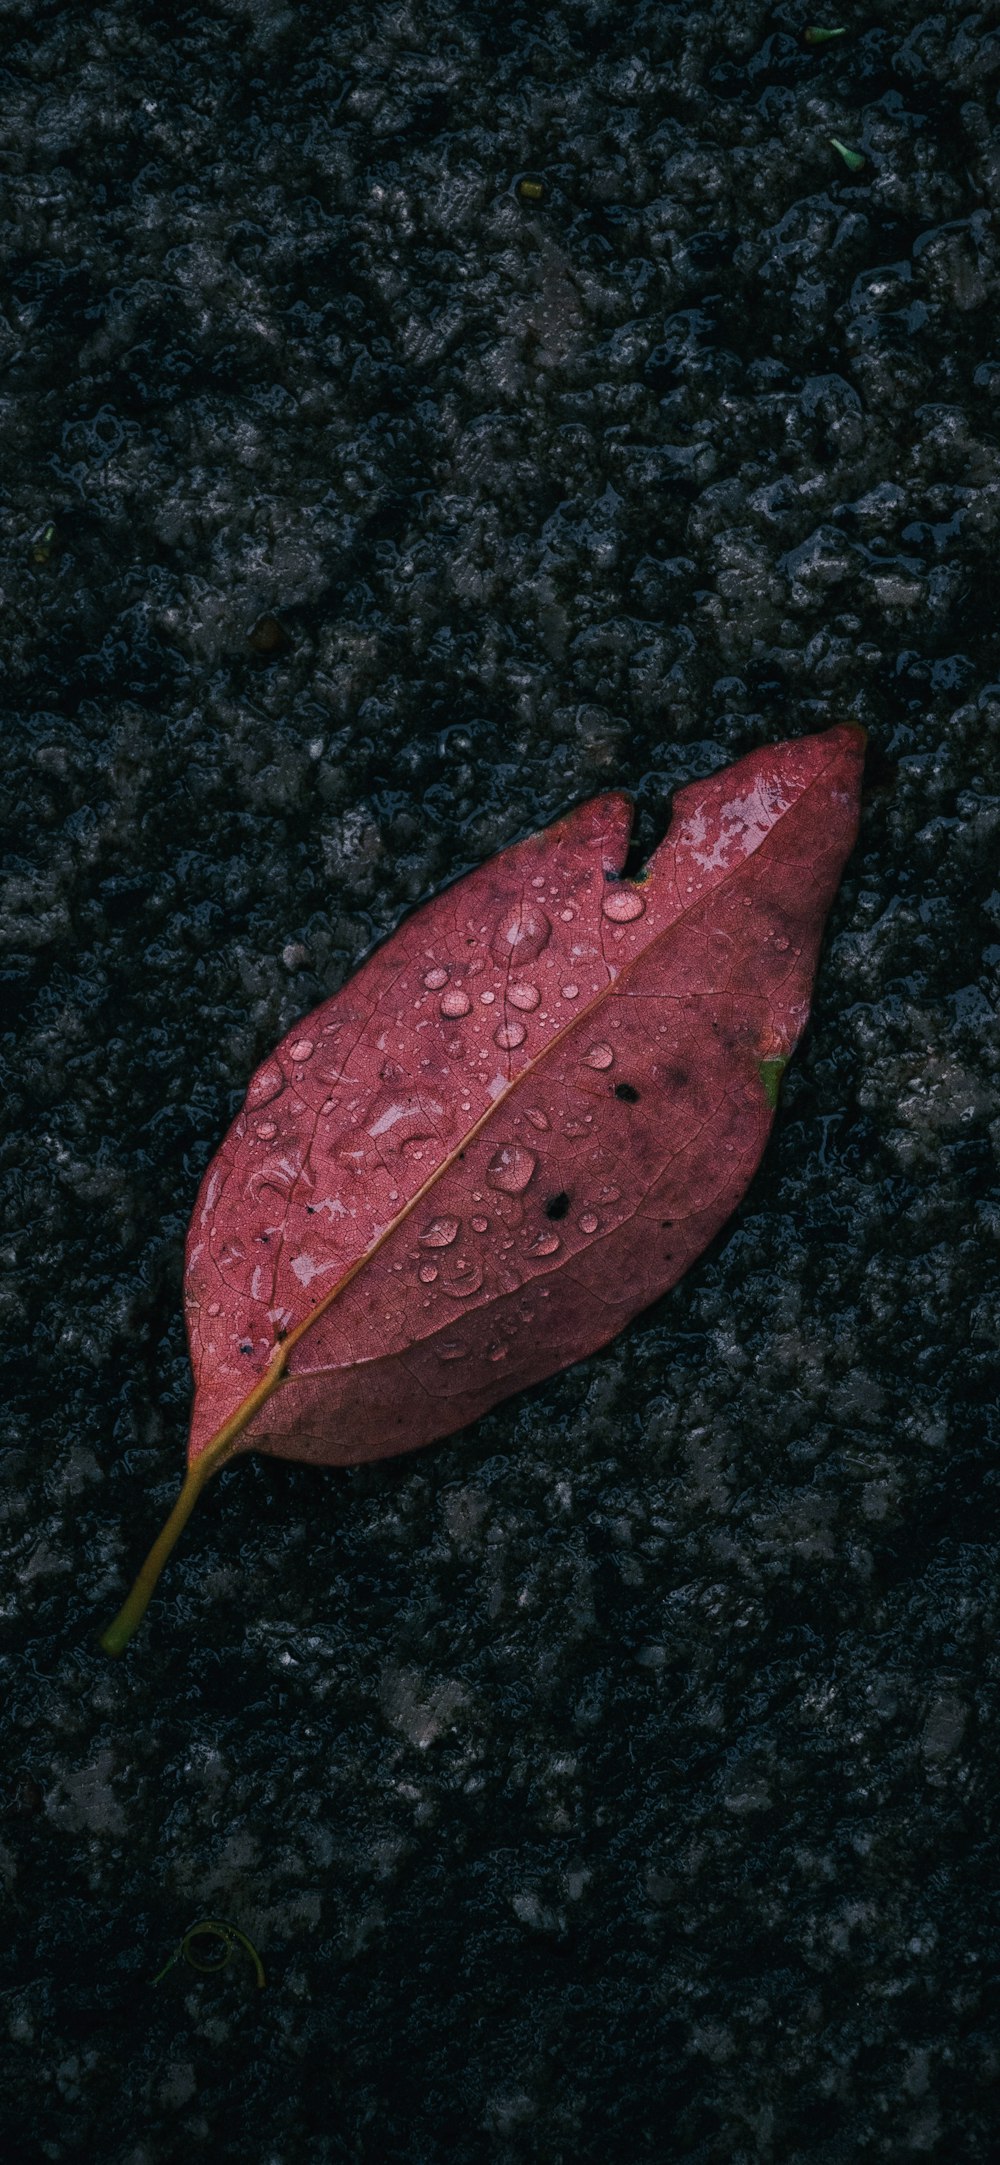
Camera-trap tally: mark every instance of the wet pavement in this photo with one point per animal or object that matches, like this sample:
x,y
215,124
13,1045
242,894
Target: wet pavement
x,y
410,425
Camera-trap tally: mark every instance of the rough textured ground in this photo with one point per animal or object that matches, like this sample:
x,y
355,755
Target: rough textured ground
x,y
618,1780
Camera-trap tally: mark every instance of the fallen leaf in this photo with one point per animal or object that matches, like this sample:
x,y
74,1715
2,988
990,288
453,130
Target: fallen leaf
x,y
516,1126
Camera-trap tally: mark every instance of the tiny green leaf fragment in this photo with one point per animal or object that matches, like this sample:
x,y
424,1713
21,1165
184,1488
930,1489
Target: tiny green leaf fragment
x,y
530,189
43,544
213,1928
771,1072
852,158
816,35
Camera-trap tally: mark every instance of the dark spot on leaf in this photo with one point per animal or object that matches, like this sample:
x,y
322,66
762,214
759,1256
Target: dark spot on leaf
x,y
664,1223
246,1346
557,1205
628,1092
676,1078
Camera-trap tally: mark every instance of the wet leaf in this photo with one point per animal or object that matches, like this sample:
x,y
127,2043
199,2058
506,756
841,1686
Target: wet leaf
x,y
517,1125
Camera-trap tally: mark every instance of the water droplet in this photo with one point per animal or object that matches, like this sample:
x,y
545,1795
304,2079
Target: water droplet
x,y
450,1350
520,934
545,1244
622,903
570,992
464,1276
215,1308
567,916
391,1071
537,1119
480,1225
508,1035
439,1233
609,1193
265,1129
498,1353
427,1273
599,1056
487,998
589,1222
328,1105
781,945
434,979
526,997
265,1085
539,881
510,1168
302,1049
455,1003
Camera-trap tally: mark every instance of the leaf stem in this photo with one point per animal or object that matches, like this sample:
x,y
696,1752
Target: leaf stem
x,y
115,1639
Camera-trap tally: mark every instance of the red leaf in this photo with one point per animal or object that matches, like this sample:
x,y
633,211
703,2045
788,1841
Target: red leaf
x,y
515,1126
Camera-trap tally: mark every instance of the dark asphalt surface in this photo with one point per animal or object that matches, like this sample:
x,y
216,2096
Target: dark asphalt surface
x,y
619,1779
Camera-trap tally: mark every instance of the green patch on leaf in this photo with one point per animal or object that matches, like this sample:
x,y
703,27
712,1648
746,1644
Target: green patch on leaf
x,y
771,1072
